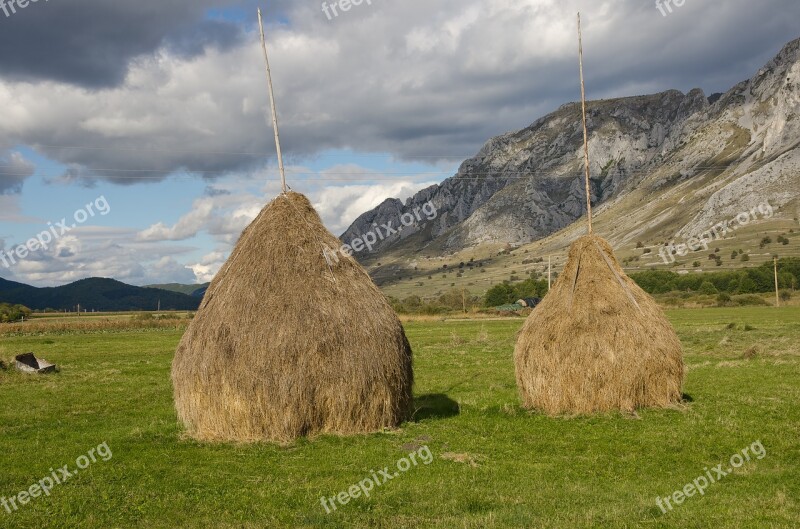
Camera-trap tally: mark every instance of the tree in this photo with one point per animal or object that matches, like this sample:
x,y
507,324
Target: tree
x,y
12,313
708,288
501,294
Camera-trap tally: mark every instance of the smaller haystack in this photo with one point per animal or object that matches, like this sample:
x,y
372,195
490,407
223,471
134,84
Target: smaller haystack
x,y
292,339
597,342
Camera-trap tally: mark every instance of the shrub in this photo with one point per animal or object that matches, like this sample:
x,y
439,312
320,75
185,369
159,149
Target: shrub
x,y
501,294
723,299
708,288
749,300
12,313
785,295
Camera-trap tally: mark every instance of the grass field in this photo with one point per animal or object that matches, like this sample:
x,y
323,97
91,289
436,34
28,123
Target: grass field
x,y
494,465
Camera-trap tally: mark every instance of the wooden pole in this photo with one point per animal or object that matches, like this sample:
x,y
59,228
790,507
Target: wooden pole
x,y
549,272
464,299
777,295
585,130
272,103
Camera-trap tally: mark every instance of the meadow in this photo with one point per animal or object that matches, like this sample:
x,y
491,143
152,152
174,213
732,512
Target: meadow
x,y
494,464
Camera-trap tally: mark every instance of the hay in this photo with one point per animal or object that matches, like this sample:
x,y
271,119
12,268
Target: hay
x,y
285,345
597,342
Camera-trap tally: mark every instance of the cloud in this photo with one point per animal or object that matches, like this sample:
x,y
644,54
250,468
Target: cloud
x,y
14,169
101,252
340,206
187,227
421,80
91,43
209,265
224,216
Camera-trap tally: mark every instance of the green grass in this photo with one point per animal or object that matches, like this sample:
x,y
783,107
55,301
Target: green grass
x,y
527,470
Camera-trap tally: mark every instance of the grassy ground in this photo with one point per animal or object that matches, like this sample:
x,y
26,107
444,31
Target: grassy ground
x,y
494,465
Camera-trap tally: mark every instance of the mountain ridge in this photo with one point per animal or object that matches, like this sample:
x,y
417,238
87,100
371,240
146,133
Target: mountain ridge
x,y
527,186
100,294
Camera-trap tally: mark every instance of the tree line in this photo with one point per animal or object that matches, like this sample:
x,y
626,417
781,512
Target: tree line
x,y
745,281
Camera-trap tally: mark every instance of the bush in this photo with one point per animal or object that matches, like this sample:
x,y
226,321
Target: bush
x,y
749,300
501,294
708,288
12,313
785,295
723,299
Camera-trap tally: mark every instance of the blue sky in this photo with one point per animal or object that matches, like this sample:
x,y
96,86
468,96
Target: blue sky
x,y
167,116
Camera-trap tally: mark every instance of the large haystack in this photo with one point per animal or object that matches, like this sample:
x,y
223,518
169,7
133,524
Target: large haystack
x,y
597,342
287,345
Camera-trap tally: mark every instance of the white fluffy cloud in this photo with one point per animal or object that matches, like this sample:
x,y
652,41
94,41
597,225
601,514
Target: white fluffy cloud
x,y
100,252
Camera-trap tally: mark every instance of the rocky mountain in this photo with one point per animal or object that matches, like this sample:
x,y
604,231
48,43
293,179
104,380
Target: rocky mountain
x,y
662,165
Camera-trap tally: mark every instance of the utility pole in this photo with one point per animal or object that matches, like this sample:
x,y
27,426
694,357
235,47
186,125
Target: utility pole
x,y
777,295
464,299
549,272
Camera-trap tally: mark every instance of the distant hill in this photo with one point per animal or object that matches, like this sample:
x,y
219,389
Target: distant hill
x,y
197,291
95,294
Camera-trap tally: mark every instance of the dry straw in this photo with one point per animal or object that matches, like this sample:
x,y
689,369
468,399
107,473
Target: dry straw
x,y
285,346
597,342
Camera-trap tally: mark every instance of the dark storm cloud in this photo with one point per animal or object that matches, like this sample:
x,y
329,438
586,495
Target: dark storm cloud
x,y
418,79
90,42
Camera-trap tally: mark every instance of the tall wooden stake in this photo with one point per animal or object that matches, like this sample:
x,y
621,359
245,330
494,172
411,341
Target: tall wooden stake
x,y
272,103
464,299
585,130
777,295
549,272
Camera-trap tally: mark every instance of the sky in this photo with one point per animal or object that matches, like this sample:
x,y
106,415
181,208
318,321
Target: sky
x,y
136,139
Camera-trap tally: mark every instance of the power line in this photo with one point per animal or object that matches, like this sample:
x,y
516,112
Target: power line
x,y
325,175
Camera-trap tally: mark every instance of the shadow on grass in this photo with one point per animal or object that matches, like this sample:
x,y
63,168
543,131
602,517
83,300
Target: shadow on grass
x,y
434,406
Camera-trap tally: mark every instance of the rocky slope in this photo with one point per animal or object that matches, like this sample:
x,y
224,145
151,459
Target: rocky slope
x,y
662,166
